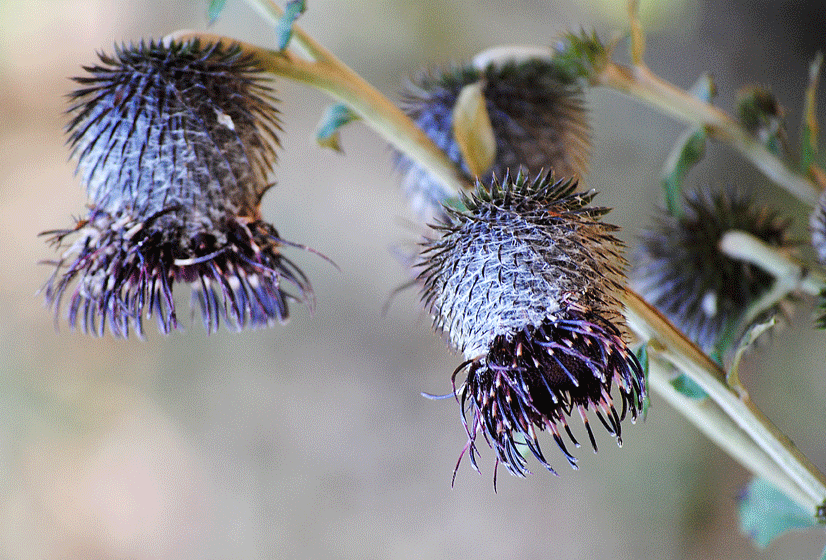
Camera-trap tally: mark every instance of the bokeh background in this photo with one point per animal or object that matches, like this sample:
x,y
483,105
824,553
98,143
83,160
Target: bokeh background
x,y
311,440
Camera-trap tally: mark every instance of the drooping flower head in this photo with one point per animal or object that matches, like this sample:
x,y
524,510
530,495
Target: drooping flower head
x,y
679,268
536,111
174,144
525,282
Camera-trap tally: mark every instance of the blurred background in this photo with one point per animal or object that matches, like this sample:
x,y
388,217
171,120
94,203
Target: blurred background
x,y
311,440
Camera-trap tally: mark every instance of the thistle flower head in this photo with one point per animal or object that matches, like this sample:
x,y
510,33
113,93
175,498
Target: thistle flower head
x,y
525,283
679,268
174,144
537,114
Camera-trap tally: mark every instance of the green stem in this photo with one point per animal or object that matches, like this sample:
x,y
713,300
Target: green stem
x,y
642,84
272,13
743,246
714,423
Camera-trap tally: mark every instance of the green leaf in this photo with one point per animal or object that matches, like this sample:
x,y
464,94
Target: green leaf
x,y
284,28
748,340
688,150
686,153
808,142
766,512
642,356
473,130
214,10
327,131
688,387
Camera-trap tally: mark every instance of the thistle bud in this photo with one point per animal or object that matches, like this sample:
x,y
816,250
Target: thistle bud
x,y
536,112
679,268
174,144
525,283
761,114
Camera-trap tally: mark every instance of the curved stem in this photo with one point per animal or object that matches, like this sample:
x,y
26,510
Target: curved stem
x,y
715,424
640,83
272,13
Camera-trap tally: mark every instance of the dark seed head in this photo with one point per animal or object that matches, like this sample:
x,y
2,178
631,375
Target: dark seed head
x,y
679,268
525,283
538,117
174,144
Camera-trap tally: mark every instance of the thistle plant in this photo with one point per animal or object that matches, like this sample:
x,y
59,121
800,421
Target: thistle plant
x,y
176,140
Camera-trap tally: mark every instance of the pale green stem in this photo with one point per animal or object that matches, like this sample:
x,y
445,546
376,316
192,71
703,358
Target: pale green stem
x,y
272,13
789,274
797,276
642,84
796,470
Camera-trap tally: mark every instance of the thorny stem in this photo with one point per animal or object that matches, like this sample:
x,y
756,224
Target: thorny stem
x,y
732,421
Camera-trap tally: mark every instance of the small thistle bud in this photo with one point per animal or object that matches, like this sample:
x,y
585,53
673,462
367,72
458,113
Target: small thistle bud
x,y
536,112
174,144
525,283
679,268
761,114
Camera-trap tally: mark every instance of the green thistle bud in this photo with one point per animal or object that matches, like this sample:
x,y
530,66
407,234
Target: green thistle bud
x,y
537,114
679,268
525,284
174,144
